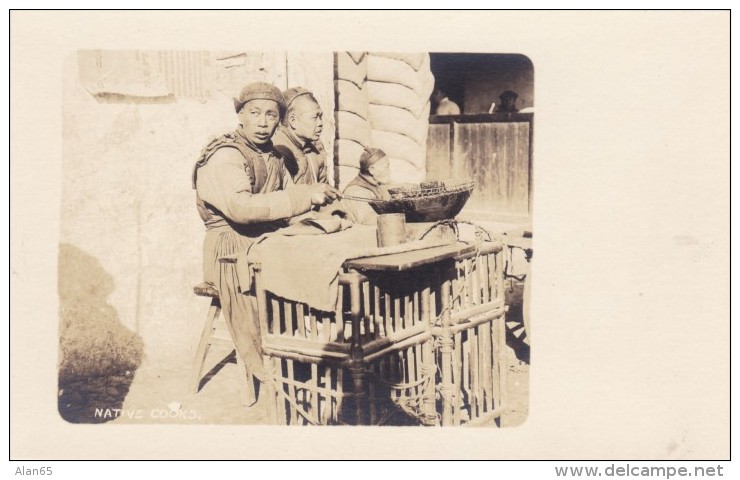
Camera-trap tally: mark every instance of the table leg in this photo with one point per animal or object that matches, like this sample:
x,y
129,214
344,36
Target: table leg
x,y
446,344
428,369
356,362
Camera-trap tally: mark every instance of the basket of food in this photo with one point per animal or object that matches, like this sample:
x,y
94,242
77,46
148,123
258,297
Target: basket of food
x,y
428,201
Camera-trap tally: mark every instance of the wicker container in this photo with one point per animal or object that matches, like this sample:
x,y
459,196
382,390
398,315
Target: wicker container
x,y
428,202
470,334
369,361
420,346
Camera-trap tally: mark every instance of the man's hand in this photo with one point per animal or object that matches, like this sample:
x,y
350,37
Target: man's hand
x,y
321,194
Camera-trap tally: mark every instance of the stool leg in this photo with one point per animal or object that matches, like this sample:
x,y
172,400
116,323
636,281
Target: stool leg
x,y
203,344
270,393
246,383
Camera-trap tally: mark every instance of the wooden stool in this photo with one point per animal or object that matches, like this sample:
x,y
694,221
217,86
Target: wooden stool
x,y
209,337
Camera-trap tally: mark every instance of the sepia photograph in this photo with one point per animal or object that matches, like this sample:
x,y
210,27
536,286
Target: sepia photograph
x,y
291,238
310,235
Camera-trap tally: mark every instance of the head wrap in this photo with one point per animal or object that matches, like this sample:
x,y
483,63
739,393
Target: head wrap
x,y
369,157
259,91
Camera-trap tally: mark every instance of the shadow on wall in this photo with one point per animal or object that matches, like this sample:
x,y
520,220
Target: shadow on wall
x,y
98,355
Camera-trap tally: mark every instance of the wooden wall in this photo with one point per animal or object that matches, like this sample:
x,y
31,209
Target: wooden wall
x,y
495,150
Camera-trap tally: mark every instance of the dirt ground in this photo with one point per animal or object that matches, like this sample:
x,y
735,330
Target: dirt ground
x,y
148,394
163,396
152,395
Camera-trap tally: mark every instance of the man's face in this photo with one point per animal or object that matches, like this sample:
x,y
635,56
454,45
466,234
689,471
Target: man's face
x,y
305,120
259,118
381,170
509,103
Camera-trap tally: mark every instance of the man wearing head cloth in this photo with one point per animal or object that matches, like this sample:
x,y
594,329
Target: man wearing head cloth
x,y
298,137
369,183
242,191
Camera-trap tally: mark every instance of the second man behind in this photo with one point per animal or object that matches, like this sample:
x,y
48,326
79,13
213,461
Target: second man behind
x,y
298,137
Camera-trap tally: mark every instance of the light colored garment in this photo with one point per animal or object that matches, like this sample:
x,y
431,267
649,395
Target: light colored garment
x,y
225,195
447,107
363,186
241,196
305,161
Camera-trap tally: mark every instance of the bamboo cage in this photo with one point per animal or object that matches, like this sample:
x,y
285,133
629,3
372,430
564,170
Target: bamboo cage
x,y
412,347
470,335
369,361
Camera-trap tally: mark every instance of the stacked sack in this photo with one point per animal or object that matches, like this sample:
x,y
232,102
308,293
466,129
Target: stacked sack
x,y
383,102
353,127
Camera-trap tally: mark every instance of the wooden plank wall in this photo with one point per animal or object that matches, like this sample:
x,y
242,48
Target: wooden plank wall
x,y
496,154
438,151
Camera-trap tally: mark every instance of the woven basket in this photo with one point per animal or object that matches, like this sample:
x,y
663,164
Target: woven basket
x,y
427,202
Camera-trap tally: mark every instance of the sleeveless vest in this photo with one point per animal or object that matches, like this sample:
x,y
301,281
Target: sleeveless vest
x,y
254,165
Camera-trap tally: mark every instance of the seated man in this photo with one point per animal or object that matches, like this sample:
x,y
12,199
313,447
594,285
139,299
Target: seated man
x,y
298,138
374,173
243,191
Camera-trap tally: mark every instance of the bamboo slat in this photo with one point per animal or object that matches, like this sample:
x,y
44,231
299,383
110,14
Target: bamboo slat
x,y
417,304
499,274
474,384
376,312
262,307
482,368
419,359
326,401
458,379
401,370
366,309
466,371
282,412
492,272
411,366
270,393
483,278
340,393
497,368
273,321
456,292
500,325
467,298
429,368
314,387
289,318
446,352
475,281
387,321
314,325
300,316
484,335
373,408
292,394
405,319
339,318
325,322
